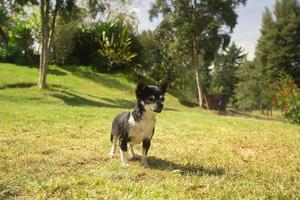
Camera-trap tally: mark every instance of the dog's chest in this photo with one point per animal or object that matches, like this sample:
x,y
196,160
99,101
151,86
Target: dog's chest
x,y
142,129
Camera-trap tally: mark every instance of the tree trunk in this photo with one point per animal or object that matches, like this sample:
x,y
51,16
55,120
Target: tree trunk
x,y
195,62
198,86
52,26
42,70
47,35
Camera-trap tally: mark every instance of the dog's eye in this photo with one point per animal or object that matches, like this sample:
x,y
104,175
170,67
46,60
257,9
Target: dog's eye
x,y
151,98
162,98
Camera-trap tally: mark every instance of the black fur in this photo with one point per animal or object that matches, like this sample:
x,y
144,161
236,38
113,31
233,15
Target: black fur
x,y
146,145
124,123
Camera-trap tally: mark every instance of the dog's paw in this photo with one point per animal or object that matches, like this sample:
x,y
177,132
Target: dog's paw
x,y
111,155
135,157
126,165
145,164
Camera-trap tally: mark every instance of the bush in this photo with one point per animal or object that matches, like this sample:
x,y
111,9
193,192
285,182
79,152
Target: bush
x,y
3,54
287,98
107,46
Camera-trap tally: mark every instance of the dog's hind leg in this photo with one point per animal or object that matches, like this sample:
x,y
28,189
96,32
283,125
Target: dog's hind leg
x,y
113,146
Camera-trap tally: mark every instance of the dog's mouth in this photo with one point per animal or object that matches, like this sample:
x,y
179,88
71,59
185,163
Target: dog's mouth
x,y
158,109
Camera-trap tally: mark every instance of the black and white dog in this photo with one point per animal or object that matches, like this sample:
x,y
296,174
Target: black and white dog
x,y
138,125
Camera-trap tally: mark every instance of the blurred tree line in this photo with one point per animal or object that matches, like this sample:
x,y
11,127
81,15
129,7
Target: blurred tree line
x,y
273,77
191,47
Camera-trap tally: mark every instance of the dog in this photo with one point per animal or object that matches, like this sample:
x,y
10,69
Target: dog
x,y
138,126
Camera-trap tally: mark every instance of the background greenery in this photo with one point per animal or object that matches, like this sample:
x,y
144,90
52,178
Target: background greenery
x,y
103,34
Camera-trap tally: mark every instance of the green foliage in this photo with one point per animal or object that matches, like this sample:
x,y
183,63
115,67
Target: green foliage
x,y
278,48
3,54
22,36
17,37
115,43
224,72
107,10
155,56
150,52
4,25
20,45
248,88
287,98
108,45
64,44
198,29
86,45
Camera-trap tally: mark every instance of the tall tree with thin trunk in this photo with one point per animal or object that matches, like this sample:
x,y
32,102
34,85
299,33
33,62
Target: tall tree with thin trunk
x,y
49,11
200,27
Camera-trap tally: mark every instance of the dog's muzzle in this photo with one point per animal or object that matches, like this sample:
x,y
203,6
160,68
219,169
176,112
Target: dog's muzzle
x,y
159,107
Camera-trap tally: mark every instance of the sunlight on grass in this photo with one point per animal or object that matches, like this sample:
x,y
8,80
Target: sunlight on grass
x,y
54,145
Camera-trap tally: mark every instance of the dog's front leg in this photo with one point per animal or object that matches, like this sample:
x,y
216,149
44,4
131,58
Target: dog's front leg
x,y
134,155
146,146
124,154
113,148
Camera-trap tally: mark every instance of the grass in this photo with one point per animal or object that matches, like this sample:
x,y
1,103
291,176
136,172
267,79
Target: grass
x,y
54,145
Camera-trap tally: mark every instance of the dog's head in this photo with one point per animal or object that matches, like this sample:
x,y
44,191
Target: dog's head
x,y
150,97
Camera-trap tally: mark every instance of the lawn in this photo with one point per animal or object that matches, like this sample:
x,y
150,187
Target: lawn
x,y
54,145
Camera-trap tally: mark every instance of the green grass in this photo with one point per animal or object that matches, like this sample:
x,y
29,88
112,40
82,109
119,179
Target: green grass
x,y
54,145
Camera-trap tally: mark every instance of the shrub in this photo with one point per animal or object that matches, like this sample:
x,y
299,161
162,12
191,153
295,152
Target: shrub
x,y
3,54
287,98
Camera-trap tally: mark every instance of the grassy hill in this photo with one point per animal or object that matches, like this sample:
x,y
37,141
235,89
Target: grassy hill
x,y
54,145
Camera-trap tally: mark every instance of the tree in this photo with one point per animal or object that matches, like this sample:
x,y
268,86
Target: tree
x,y
265,45
63,44
4,23
16,40
155,54
8,9
278,47
20,44
248,89
49,12
200,27
107,10
224,72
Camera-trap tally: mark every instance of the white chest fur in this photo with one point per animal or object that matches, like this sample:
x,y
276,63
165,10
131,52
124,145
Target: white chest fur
x,y
143,129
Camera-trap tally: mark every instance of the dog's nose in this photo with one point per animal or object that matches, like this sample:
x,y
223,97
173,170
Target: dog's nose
x,y
159,104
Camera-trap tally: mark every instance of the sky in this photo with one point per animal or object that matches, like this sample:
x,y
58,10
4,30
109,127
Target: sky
x,y
245,34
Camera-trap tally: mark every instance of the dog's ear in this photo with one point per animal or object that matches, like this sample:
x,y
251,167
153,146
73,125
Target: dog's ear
x,y
141,86
163,87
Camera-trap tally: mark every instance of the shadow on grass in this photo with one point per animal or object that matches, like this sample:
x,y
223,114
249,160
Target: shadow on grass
x,y
18,85
56,72
234,113
98,78
157,163
187,103
171,109
74,99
